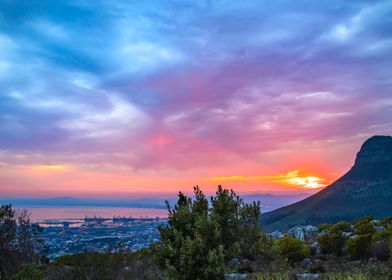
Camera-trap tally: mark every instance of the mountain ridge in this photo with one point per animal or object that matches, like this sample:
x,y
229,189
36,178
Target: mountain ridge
x,y
365,190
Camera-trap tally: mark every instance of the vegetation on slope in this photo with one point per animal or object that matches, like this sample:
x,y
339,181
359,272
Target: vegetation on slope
x,y
214,238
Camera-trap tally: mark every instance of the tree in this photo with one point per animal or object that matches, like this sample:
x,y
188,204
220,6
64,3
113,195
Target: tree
x,y
30,247
18,241
7,240
199,239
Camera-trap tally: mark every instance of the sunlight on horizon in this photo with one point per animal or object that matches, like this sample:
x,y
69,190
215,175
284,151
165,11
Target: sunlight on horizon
x,y
291,178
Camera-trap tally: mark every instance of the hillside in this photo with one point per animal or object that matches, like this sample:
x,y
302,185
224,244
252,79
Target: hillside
x,y
365,190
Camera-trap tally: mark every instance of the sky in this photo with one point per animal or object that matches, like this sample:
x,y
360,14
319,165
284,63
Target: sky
x,y
129,98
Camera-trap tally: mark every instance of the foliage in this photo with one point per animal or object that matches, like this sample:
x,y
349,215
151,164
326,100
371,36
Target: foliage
x,y
292,249
19,243
199,239
323,227
29,271
346,276
379,249
364,226
270,276
332,243
342,226
332,276
358,247
387,221
92,266
334,239
390,241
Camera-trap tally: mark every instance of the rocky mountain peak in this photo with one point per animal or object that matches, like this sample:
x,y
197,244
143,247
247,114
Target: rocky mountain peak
x,y
377,149
365,190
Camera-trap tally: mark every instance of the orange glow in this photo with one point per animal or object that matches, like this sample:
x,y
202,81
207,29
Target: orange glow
x,y
52,168
291,178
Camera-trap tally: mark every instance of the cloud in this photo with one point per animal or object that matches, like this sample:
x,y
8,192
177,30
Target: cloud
x,y
180,86
290,178
50,168
121,119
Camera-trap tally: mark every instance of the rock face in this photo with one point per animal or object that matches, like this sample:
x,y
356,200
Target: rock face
x,y
315,249
306,233
365,190
236,276
303,276
276,235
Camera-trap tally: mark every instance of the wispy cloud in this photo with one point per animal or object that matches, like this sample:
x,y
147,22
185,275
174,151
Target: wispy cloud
x,y
193,88
290,178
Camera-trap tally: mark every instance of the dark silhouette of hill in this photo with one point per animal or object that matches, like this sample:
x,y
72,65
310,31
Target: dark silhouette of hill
x,y
365,190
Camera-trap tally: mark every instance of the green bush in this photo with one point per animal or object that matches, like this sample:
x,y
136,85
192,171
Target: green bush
x,y
332,243
29,272
292,249
364,226
323,227
199,240
387,221
390,248
359,246
340,227
334,240
380,235
348,276
379,249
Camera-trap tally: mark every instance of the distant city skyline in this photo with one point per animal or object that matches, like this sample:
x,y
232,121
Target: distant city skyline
x,y
125,99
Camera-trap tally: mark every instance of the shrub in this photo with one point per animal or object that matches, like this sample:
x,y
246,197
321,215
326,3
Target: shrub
x,y
359,246
364,220
198,240
364,226
29,271
380,235
332,243
334,240
323,227
387,221
390,247
340,227
292,249
379,249
264,248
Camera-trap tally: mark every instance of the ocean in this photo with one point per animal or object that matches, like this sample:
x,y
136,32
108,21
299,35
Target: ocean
x,y
38,214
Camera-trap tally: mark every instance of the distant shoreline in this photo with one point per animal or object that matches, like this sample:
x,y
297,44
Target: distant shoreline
x,y
40,213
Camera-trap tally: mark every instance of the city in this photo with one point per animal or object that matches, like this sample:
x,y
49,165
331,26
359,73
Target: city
x,y
117,234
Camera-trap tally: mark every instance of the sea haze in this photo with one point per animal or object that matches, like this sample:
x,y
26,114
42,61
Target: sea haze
x,y
71,207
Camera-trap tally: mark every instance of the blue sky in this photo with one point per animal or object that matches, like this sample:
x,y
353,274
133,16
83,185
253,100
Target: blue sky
x,y
162,94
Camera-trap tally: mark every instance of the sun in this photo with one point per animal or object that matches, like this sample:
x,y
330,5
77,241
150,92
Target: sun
x,y
291,178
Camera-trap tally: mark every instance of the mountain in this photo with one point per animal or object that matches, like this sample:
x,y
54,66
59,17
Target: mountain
x,y
365,190
271,202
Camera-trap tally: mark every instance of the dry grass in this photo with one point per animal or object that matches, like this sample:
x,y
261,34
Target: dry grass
x,y
334,276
